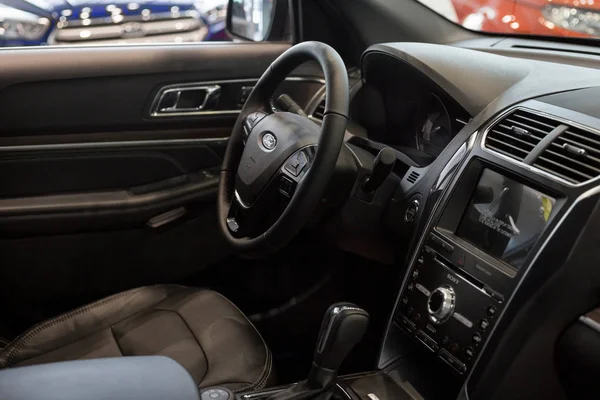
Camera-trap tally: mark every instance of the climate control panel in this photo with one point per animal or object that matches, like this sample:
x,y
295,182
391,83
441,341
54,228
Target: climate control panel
x,y
447,311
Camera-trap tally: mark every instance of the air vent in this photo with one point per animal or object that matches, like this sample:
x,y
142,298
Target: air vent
x,y
573,156
320,110
516,134
412,178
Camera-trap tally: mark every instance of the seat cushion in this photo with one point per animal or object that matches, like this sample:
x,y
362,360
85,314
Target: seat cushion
x,y
200,329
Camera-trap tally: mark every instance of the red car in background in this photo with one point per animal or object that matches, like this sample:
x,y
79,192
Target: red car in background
x,y
573,18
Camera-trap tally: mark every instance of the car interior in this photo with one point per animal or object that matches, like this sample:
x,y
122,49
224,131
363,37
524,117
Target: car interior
x,y
366,202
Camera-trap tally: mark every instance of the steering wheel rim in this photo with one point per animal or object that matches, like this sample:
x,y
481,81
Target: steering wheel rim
x,y
310,190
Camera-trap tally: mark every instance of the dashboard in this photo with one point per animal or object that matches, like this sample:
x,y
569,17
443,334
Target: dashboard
x,y
492,214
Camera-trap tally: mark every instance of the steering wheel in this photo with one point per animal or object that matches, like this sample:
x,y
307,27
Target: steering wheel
x,y
278,165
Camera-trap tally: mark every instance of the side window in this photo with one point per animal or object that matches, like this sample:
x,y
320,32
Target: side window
x,y
118,22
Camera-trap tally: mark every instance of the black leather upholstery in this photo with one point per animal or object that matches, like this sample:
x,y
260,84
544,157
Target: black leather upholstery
x,y
200,329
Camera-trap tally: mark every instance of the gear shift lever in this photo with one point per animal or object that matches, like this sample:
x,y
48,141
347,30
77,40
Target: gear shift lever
x,y
342,328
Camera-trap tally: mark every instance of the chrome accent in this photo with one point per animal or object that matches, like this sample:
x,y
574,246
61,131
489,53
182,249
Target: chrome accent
x,y
344,391
241,202
595,325
453,164
211,96
446,309
220,82
111,145
529,167
591,192
269,141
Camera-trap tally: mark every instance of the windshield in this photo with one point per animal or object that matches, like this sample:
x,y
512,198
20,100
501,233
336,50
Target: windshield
x,y
570,18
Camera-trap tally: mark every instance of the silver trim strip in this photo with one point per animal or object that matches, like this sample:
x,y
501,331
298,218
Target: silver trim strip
x,y
595,325
529,167
589,193
110,145
241,202
215,82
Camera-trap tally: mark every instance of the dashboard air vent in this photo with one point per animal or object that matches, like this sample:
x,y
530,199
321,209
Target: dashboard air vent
x,y
573,156
412,178
320,110
517,133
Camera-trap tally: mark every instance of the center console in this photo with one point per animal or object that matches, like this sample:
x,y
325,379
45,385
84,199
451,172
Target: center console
x,y
466,267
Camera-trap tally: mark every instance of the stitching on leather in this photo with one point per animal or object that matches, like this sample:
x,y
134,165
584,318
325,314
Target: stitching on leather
x,y
262,378
26,336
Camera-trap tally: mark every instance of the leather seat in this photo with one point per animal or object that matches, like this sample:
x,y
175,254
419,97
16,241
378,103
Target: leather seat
x,y
200,329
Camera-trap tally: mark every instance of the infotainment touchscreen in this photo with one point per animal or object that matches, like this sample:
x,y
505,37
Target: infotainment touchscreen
x,y
505,218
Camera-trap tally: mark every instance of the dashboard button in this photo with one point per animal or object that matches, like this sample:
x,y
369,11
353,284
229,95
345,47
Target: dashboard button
x,y
215,394
427,341
441,242
411,212
286,186
452,361
448,247
469,352
491,311
415,274
484,324
408,325
454,348
410,287
477,338
296,163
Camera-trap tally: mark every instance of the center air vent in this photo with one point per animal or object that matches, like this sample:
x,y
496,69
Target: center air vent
x,y
517,133
412,178
574,156
320,110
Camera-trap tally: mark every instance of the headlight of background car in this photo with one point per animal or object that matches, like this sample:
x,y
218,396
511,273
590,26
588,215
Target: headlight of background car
x,y
573,19
17,24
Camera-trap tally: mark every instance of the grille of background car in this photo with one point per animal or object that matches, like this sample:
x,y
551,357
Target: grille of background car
x,y
130,27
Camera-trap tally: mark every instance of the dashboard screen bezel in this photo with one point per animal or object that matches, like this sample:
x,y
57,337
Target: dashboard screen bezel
x,y
456,206
472,231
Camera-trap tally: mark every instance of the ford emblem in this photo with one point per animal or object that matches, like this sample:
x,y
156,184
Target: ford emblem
x,y
269,141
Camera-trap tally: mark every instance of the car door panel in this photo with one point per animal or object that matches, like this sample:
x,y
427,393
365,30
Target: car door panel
x,y
93,188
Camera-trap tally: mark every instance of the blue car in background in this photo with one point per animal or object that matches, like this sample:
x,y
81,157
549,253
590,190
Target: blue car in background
x,y
72,22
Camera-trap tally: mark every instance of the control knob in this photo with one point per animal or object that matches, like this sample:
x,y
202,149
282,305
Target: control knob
x,y
440,304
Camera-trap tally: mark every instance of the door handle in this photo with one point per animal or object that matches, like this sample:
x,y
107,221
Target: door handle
x,y
187,100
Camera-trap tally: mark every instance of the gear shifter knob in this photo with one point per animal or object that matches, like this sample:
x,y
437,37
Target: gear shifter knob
x,y
342,328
